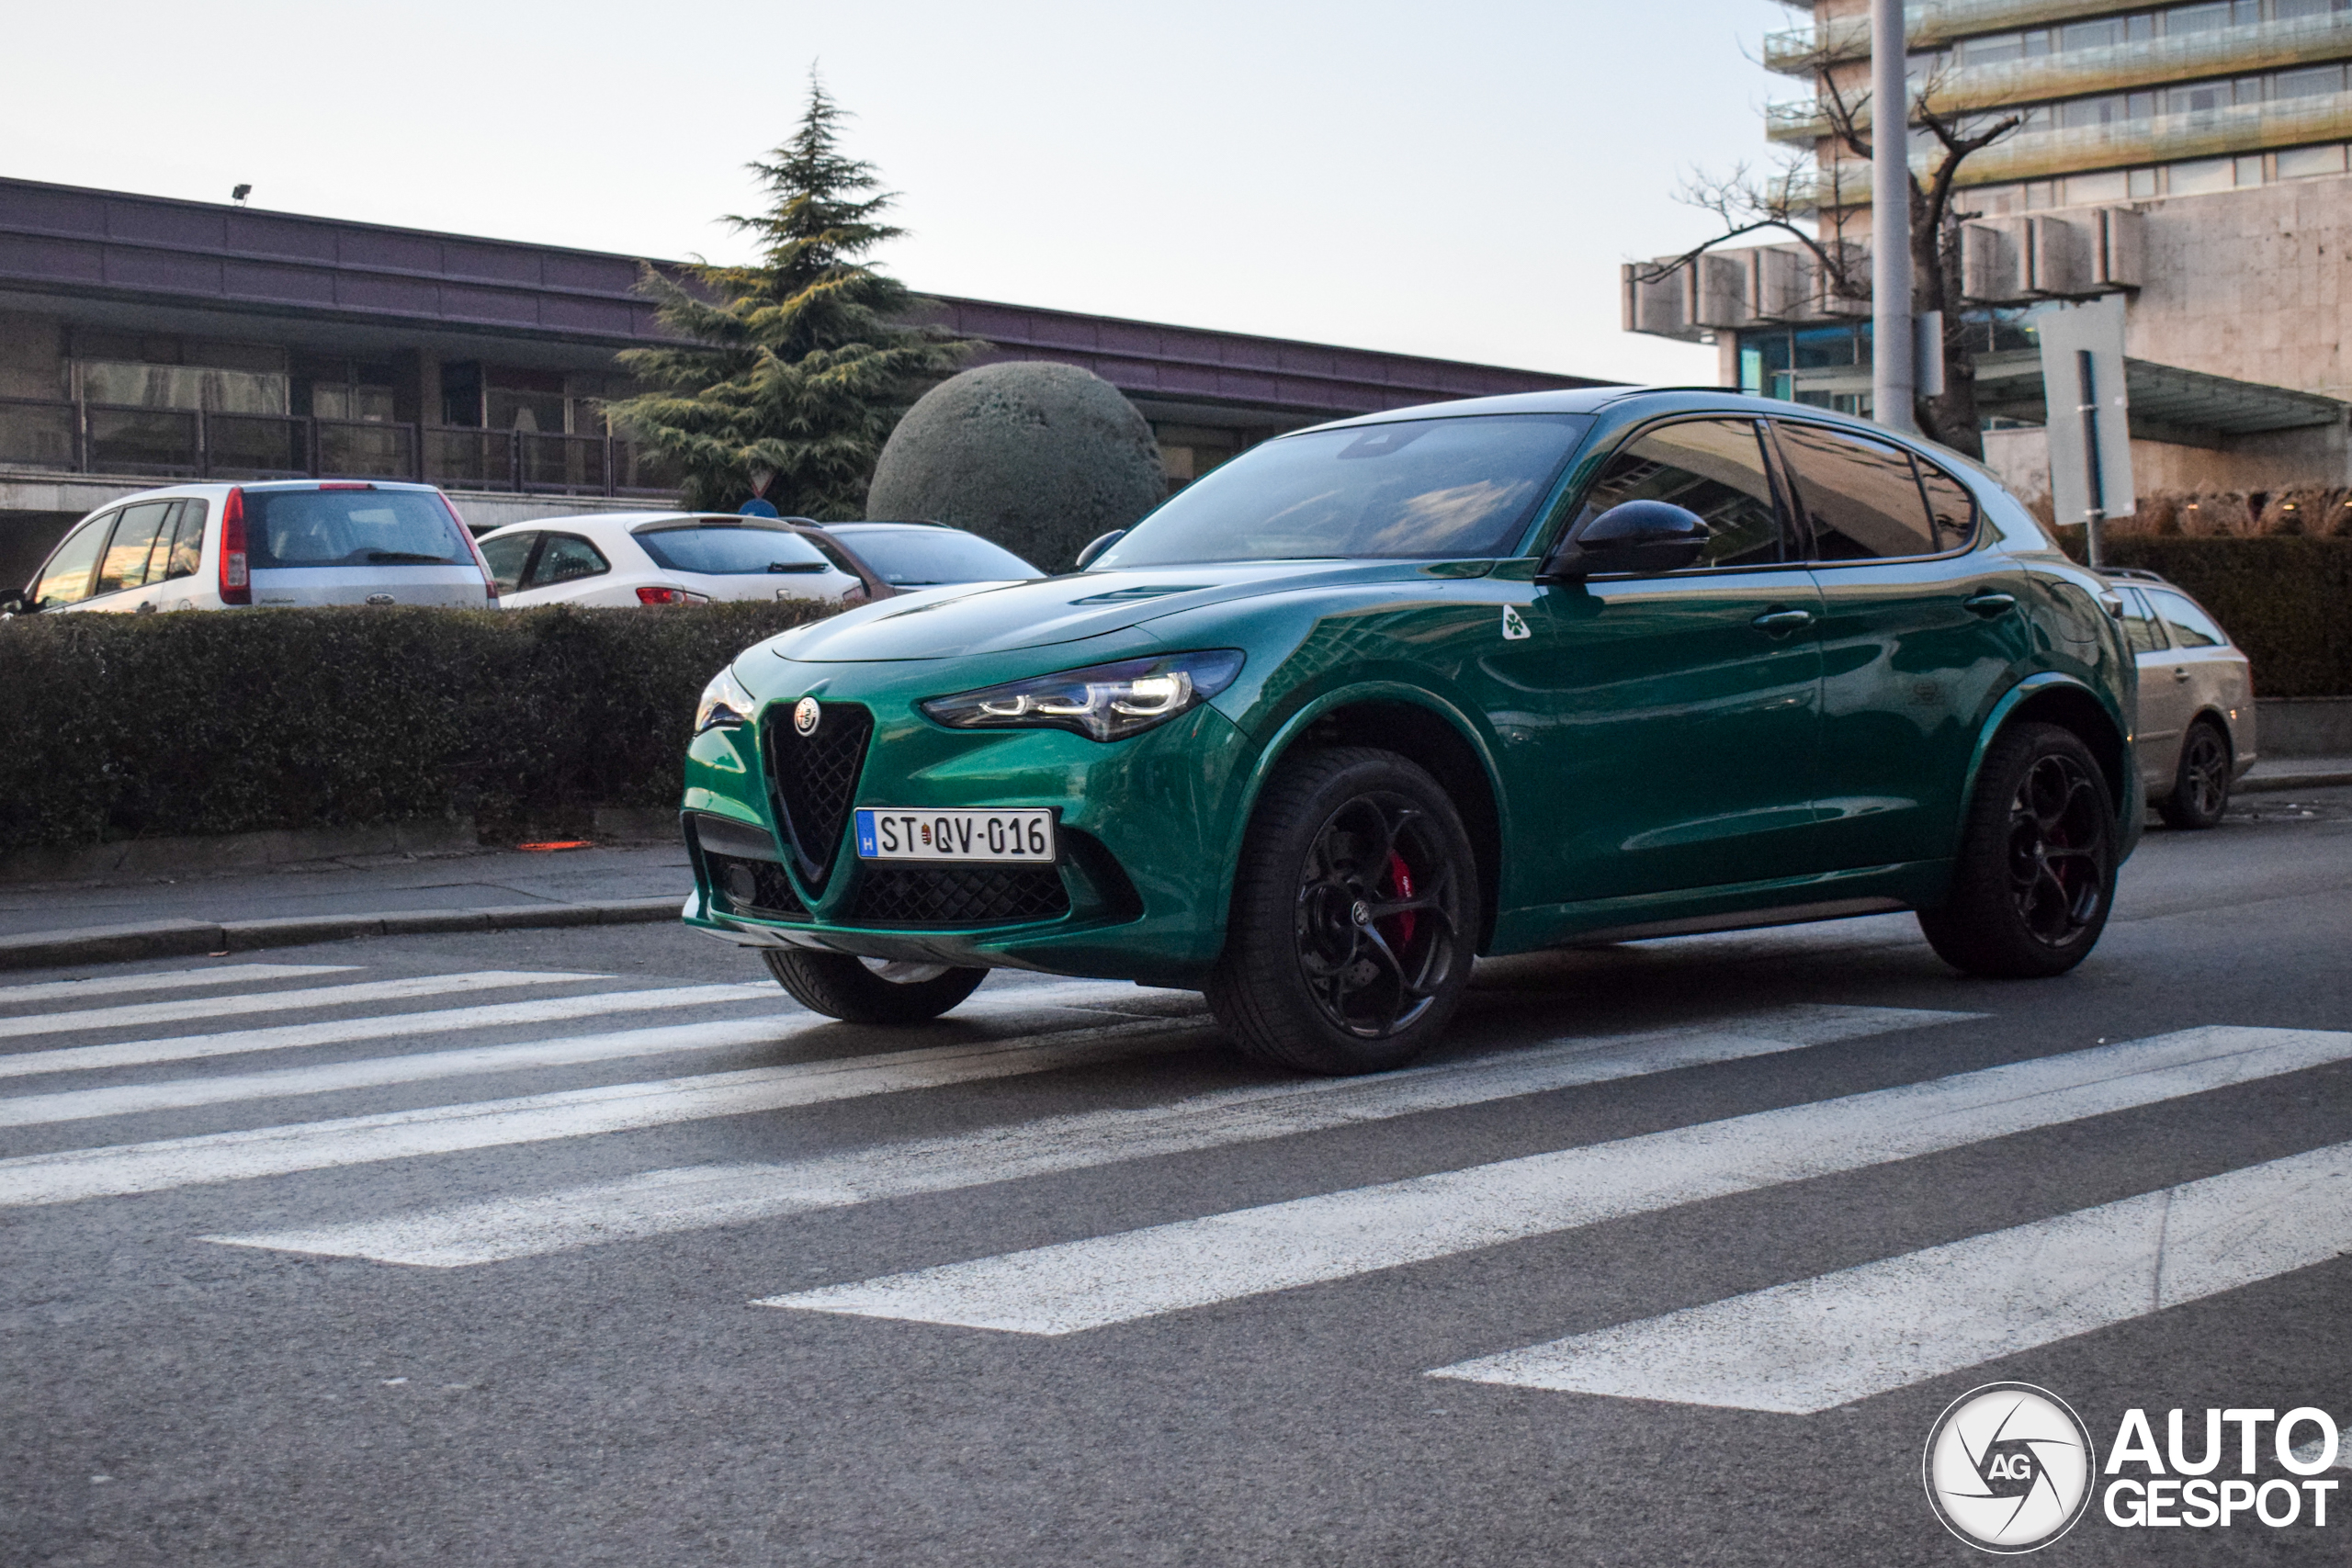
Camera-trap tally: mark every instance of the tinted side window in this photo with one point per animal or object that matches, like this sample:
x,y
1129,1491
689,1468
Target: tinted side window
x,y
187,545
2191,627
1860,498
1951,504
568,557
66,578
2139,624
1712,467
124,565
507,555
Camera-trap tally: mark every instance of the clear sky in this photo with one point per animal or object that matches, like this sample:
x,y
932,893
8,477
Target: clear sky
x,y
1459,180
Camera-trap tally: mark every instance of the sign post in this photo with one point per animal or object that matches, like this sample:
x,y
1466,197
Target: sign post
x,y
2087,415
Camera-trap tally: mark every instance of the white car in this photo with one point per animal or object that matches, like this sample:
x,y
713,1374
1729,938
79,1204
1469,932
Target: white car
x,y
297,542
921,554
664,557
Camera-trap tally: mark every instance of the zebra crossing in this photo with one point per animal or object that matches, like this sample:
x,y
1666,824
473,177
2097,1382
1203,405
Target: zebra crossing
x,y
135,1066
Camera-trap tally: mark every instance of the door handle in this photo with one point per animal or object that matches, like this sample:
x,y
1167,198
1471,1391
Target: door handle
x,y
1990,604
2178,674
1779,621
145,607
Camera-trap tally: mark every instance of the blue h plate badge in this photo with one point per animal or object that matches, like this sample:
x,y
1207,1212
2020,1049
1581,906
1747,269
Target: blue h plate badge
x,y
1017,834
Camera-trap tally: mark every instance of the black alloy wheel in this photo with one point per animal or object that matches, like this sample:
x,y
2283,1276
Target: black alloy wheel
x,y
1353,925
892,992
2200,787
2035,875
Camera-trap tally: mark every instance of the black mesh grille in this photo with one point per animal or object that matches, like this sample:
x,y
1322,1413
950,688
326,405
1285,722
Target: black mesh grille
x,y
815,777
753,886
958,895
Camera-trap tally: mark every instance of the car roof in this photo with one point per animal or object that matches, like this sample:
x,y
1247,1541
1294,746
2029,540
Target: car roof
x,y
214,487
631,521
1628,399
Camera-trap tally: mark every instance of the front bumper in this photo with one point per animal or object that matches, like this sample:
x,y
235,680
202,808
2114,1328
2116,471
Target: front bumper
x,y
1139,891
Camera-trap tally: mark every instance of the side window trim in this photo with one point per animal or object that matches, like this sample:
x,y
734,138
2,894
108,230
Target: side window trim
x,y
102,526
1785,525
1810,557
523,575
98,567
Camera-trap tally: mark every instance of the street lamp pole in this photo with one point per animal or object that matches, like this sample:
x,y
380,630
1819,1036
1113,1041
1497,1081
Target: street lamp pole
x,y
1893,380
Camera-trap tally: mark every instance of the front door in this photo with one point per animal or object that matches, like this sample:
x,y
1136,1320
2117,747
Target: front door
x,y
1669,721
1923,634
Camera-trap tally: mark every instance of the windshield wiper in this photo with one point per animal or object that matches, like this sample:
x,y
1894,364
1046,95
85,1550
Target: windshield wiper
x,y
406,557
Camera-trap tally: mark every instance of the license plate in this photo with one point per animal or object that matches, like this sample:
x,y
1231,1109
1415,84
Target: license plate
x,y
889,833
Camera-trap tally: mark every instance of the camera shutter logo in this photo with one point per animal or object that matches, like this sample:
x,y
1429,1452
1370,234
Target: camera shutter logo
x,y
2009,1467
805,715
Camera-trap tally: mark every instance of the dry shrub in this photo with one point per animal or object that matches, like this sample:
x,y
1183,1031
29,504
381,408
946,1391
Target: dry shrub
x,y
2306,510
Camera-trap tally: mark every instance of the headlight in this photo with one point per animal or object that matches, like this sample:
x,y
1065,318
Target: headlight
x,y
725,703
1103,702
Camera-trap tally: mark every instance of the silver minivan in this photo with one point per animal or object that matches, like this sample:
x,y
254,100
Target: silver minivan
x,y
2196,731
295,542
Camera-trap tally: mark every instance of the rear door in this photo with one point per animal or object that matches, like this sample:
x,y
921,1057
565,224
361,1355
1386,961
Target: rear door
x,y
2164,703
1924,631
1672,721
2205,673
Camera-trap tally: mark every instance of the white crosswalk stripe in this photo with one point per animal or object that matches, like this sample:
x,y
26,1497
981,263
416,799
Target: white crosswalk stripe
x,y
1117,1279
165,980
1808,1347
694,1198
139,1014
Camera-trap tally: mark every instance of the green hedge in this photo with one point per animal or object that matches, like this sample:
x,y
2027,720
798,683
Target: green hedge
x,y
2286,601
115,726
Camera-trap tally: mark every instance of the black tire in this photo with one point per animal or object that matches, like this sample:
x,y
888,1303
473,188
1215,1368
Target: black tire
x,y
2035,875
1354,917
857,990
2201,785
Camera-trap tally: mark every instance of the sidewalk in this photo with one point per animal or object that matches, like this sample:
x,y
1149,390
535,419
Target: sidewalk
x,y
2272,774
129,917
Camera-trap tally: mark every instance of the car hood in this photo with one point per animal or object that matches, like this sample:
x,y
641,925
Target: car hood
x,y
979,618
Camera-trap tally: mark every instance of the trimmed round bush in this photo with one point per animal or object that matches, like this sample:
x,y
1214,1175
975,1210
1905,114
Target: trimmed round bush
x,y
1040,458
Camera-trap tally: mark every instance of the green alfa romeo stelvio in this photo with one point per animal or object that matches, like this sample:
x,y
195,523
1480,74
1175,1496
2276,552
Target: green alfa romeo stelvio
x,y
1377,697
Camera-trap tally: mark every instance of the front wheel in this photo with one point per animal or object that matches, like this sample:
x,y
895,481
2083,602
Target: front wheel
x,y
870,990
1354,917
2035,874
2200,787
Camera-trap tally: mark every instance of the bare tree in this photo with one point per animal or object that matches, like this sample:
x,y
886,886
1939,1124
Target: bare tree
x,y
1747,204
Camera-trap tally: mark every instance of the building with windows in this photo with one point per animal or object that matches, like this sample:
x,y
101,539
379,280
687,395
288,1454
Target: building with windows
x,y
143,339
2192,157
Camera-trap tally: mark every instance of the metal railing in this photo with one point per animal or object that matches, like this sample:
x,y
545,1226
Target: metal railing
x,y
114,438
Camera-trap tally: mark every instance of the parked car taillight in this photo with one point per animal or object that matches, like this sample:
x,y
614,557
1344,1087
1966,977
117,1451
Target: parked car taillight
x,y
489,584
670,596
236,583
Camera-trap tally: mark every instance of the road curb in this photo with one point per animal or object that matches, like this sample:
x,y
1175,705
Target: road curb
x,y
2275,783
186,939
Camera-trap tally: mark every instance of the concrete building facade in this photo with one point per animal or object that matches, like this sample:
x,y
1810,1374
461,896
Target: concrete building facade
x,y
143,339
2192,157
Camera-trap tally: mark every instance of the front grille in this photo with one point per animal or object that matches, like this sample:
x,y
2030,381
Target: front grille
x,y
815,777
754,886
958,895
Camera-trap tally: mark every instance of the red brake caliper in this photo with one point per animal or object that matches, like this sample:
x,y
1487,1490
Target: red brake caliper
x,y
1400,878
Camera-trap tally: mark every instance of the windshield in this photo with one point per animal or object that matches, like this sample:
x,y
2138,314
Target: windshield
x,y
918,557
350,528
730,550
1464,486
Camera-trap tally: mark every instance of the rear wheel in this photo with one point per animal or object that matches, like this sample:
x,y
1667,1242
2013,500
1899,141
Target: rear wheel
x,y
1353,917
2035,874
870,990
2201,789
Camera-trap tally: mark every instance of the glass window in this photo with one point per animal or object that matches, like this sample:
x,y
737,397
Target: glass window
x,y
124,565
2140,26
350,528
66,578
2302,163
159,555
2191,627
2140,627
1712,467
187,544
729,549
2091,35
914,557
568,557
1951,506
1860,497
2202,177
2196,19
1466,486
2197,97
2309,81
507,555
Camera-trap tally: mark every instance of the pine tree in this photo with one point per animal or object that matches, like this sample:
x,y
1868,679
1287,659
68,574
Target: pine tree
x,y
802,362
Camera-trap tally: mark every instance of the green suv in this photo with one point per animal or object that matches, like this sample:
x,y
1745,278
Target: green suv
x,y
1377,697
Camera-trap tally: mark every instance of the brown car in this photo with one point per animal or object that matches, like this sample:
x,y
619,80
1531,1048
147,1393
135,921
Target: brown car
x,y
2196,723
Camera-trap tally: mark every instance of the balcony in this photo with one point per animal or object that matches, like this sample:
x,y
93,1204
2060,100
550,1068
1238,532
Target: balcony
x,y
1797,52
2160,139
182,444
2077,73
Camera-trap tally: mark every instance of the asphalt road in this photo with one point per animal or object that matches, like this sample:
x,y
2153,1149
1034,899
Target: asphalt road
x,y
587,1247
